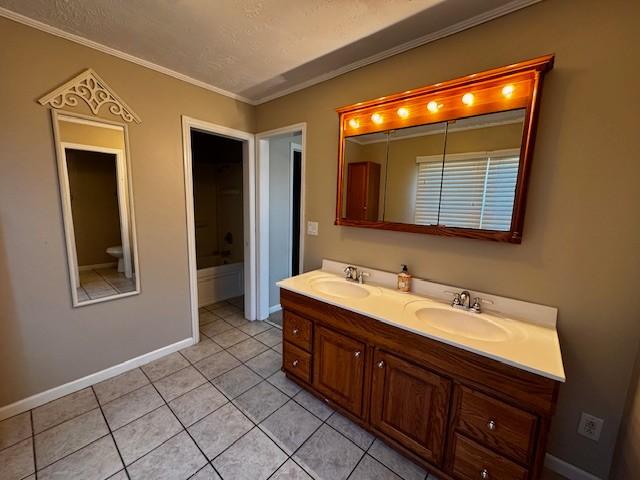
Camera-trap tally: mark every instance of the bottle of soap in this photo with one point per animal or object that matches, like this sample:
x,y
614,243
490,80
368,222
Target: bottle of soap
x,y
404,280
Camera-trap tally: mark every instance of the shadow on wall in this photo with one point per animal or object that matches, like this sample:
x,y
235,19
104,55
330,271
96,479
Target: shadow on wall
x,y
9,328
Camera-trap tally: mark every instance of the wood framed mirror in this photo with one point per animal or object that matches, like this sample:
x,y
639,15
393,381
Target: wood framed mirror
x,y
447,159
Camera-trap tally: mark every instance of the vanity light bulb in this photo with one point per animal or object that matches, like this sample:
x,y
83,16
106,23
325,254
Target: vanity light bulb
x,y
403,112
354,123
507,90
433,106
467,99
377,118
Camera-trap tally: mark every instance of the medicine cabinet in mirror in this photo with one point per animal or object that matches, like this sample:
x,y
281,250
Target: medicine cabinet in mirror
x,y
95,187
448,159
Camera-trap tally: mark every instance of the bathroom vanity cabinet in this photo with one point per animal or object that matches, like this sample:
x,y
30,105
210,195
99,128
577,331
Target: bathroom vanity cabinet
x,y
461,415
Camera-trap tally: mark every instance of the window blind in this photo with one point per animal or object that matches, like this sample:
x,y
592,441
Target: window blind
x,y
470,190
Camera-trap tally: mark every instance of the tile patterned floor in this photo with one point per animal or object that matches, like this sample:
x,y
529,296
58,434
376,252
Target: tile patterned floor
x,y
221,409
103,282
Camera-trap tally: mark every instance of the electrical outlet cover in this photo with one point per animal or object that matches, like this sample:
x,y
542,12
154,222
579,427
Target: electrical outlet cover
x,y
590,426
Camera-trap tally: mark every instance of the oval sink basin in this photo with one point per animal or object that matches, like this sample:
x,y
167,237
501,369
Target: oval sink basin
x,y
463,324
339,288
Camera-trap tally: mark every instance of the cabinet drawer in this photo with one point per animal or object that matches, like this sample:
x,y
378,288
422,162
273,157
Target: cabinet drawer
x,y
473,462
297,330
495,424
296,361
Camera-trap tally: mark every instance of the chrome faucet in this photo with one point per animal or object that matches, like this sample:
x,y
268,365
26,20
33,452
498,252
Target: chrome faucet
x,y
361,277
351,273
463,300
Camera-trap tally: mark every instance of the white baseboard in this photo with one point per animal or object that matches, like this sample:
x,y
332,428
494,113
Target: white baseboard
x,y
275,308
75,385
566,469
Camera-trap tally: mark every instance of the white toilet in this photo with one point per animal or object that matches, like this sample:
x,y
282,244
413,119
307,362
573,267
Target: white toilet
x,y
116,252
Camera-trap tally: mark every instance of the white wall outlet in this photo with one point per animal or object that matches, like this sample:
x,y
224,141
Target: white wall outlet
x,y
590,426
312,228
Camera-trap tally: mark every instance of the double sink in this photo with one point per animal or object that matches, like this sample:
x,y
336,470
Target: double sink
x,y
447,319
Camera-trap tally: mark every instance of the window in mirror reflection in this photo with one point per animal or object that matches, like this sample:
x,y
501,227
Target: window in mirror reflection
x,y
480,171
97,200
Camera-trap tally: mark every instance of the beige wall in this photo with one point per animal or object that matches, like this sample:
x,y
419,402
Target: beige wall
x,y
90,135
44,342
582,231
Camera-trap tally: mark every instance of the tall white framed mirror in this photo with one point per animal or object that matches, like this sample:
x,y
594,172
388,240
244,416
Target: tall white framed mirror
x,y
97,205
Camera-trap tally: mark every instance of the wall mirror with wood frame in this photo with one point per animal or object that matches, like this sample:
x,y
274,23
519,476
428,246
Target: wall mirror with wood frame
x,y
449,159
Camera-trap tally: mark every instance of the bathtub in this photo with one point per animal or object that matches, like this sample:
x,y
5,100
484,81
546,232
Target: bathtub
x,y
218,281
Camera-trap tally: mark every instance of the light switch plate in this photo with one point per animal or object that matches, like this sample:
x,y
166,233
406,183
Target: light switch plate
x,y
312,228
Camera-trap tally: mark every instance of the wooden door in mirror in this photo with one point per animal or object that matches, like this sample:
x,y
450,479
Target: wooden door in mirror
x,y
448,159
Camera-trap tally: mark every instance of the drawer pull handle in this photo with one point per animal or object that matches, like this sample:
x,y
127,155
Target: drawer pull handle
x,y
356,354
380,364
492,425
484,474
295,363
296,331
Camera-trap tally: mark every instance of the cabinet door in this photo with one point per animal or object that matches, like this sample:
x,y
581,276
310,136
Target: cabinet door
x,y
357,184
363,190
339,366
410,404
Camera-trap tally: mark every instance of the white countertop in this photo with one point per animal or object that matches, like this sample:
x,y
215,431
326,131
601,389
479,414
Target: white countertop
x,y
529,346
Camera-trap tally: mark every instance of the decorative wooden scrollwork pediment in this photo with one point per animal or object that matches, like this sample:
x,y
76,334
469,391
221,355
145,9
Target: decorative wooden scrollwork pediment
x,y
95,92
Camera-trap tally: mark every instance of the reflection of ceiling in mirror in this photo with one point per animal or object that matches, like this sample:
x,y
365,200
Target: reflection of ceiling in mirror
x,y
469,123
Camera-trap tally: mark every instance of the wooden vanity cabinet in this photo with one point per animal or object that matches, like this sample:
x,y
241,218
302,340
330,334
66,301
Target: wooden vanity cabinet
x,y
410,404
339,369
460,415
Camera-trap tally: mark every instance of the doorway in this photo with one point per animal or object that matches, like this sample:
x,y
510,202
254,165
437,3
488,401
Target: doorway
x,y
220,204
280,170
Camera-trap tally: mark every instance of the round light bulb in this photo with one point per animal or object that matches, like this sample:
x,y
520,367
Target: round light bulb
x,y
467,99
403,112
433,106
354,123
377,118
507,90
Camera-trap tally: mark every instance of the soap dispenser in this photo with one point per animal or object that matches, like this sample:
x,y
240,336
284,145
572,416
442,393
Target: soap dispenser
x,y
404,280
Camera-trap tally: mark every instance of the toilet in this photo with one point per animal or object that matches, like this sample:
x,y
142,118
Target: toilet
x,y
116,252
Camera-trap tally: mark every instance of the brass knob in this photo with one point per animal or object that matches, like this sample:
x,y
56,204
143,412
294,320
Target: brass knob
x,y
356,354
380,364
295,331
492,425
484,474
295,363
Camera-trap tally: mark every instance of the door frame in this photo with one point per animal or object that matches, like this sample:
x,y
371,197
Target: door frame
x,y
262,207
249,213
123,213
295,147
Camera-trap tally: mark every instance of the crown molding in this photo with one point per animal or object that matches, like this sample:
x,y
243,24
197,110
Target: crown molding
x,y
30,22
484,17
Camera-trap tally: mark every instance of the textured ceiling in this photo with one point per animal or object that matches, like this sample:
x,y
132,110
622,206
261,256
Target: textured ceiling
x,y
254,49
